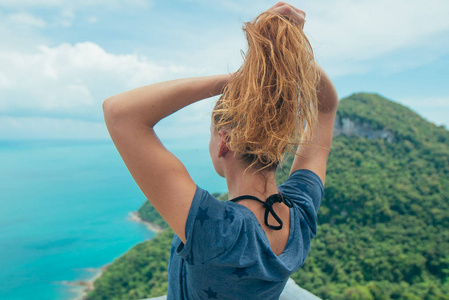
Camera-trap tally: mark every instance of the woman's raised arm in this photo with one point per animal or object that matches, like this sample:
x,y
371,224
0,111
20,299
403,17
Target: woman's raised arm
x,y
130,118
149,104
314,154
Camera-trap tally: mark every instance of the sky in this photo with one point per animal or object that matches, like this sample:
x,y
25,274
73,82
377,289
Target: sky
x,y
60,59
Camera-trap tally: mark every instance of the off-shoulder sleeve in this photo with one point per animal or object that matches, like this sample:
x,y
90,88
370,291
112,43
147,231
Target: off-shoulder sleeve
x,y
211,229
305,189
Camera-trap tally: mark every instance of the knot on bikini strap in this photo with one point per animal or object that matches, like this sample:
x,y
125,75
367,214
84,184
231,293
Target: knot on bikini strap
x,y
268,204
277,198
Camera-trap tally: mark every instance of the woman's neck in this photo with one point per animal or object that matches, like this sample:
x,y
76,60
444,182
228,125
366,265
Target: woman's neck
x,y
260,185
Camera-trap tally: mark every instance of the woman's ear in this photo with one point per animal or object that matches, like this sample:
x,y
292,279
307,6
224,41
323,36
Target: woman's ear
x,y
223,147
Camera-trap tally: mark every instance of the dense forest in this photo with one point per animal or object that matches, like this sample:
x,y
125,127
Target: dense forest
x,y
383,224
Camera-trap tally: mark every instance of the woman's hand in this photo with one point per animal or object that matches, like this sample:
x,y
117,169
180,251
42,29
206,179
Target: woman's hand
x,y
290,12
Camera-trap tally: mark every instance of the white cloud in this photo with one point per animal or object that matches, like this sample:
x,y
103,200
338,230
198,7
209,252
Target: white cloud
x,y
66,18
72,80
20,30
26,19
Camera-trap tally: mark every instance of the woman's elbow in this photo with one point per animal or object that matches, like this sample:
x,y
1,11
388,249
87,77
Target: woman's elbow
x,y
112,113
108,106
111,110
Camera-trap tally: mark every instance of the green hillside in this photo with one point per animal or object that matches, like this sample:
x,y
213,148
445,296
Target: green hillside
x,y
384,220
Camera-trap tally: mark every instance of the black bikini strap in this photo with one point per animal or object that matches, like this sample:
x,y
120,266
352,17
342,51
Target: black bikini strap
x,y
246,197
268,204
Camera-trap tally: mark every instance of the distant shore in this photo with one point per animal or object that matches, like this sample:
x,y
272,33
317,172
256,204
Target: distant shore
x,y
83,287
134,216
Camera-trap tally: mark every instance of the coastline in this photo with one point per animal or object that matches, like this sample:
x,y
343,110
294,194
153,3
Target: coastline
x,y
82,287
134,216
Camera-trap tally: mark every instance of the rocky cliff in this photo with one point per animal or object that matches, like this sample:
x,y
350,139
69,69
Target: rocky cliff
x,y
349,127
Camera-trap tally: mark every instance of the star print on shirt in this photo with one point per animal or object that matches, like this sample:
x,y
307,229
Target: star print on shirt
x,y
240,272
210,294
303,187
229,215
202,215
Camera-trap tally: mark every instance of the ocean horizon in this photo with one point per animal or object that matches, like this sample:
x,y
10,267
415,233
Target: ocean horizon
x,y
64,211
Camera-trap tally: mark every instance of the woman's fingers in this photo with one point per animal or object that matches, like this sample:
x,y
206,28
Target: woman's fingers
x,y
280,3
290,12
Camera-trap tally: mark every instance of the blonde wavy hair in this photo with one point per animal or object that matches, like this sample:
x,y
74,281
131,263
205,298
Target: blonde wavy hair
x,y
270,100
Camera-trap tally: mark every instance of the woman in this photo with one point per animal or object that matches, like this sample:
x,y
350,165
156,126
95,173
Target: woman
x,y
248,247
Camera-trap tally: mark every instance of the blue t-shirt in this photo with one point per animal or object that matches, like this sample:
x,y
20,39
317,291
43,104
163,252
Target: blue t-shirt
x,y
227,254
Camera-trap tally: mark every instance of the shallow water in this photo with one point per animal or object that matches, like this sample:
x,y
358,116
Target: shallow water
x,y
64,208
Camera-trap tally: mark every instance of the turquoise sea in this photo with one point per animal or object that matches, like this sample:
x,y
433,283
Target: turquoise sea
x,y
64,208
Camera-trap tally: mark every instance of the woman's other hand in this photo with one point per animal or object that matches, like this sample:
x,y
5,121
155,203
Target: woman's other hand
x,y
290,12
